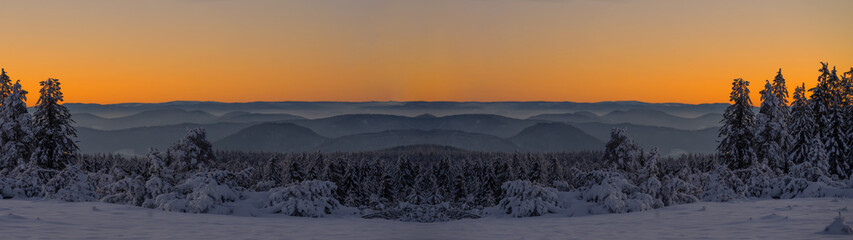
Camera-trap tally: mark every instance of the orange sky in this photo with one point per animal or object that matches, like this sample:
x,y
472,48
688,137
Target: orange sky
x,y
432,50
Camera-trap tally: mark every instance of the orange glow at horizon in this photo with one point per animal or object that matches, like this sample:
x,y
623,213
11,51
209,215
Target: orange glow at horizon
x,y
379,50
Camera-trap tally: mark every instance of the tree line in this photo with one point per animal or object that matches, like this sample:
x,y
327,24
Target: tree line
x,y
783,151
44,138
814,133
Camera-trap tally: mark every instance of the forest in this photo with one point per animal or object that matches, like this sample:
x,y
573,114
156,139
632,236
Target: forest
x,y
785,150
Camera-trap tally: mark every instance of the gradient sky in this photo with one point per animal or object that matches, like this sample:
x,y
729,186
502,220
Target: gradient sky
x,y
418,50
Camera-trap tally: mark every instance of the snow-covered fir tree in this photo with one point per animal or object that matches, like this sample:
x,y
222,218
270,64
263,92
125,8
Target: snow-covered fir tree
x,y
650,165
16,134
295,171
53,135
192,152
828,104
816,165
351,188
737,133
807,153
160,177
847,110
780,89
771,130
273,171
621,152
5,86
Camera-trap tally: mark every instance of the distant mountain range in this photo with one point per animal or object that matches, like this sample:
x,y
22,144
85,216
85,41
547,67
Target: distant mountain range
x,y
163,117
370,126
639,117
329,109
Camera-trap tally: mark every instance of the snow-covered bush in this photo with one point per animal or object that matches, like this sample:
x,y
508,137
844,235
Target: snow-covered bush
x,y
721,185
156,186
26,180
5,189
264,186
525,199
173,202
838,227
70,184
676,191
128,190
199,194
616,195
757,179
311,198
808,171
789,187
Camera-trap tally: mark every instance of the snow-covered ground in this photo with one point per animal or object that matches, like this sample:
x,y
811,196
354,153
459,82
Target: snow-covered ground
x,y
803,218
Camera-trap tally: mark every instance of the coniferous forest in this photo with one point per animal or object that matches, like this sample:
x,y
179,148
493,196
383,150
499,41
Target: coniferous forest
x,y
781,149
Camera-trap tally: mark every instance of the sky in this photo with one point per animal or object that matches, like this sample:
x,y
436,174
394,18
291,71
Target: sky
x,y
418,50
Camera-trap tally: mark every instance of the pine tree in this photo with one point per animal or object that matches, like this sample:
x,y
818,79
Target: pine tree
x,y
650,165
771,131
737,135
847,103
351,189
157,168
335,171
444,177
780,89
5,86
54,147
621,152
829,100
802,127
534,170
295,171
16,134
273,171
192,152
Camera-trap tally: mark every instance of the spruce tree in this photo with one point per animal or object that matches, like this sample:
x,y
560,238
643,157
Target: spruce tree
x,y
847,102
771,130
295,171
621,152
54,147
829,104
5,86
192,152
802,127
780,89
736,135
16,134
273,171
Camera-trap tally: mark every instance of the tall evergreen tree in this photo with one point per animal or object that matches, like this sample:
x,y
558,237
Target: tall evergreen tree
x,y
295,171
821,102
802,127
780,89
193,151
828,99
621,152
737,135
273,171
771,130
5,86
16,134
53,134
847,102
